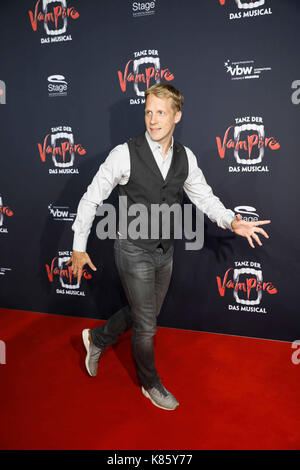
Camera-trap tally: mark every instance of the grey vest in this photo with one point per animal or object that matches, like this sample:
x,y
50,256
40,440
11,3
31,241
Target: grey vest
x,y
146,187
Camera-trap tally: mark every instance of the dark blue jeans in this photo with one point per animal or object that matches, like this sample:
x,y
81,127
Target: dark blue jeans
x,y
145,277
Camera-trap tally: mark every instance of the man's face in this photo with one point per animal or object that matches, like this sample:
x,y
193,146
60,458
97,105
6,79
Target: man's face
x,y
160,118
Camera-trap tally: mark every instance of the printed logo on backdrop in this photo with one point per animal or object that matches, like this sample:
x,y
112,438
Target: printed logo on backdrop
x,y
143,70
247,143
143,8
245,285
5,211
60,150
61,213
4,271
248,213
60,275
246,8
51,17
296,94
2,92
245,69
57,86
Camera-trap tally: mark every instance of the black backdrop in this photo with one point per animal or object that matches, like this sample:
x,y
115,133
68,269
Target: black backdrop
x,y
237,65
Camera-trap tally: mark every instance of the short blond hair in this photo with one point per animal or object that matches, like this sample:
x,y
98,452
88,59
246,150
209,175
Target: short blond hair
x,y
164,90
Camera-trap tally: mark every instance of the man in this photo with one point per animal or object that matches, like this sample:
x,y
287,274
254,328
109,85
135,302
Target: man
x,y
149,169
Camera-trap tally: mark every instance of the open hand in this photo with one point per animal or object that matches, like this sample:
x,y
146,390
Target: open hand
x,y
249,230
78,260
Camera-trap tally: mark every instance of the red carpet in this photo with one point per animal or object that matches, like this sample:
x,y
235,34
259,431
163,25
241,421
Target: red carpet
x,y
234,393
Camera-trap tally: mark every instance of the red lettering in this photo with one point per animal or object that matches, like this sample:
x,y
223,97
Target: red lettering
x,y
74,13
33,20
48,17
252,140
150,71
273,144
268,286
221,286
50,271
58,11
67,273
79,149
6,210
65,148
222,147
169,76
248,144
123,78
57,14
43,150
251,283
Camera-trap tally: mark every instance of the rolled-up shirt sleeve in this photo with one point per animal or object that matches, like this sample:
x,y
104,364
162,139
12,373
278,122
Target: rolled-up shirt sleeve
x,y
114,170
201,194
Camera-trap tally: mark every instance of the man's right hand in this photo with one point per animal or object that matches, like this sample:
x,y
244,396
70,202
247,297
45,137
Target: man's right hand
x,y
78,260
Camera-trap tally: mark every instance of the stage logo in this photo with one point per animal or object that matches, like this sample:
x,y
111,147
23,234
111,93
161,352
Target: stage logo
x,y
2,92
142,71
248,8
4,271
60,275
245,284
248,213
247,141
245,69
61,213
53,17
5,211
143,8
60,148
296,94
57,86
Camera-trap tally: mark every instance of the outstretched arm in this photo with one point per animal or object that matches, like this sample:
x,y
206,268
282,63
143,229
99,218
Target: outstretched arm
x,y
113,171
202,196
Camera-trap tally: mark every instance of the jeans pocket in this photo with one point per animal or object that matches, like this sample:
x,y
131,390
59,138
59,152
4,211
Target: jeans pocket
x,y
127,246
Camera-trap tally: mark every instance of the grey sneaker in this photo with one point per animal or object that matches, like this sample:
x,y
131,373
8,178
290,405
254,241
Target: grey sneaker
x,y
160,397
93,353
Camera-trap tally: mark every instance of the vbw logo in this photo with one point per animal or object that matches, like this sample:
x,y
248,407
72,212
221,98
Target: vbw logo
x,y
61,213
236,70
57,85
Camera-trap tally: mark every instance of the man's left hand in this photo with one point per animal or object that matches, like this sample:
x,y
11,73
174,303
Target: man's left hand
x,y
249,230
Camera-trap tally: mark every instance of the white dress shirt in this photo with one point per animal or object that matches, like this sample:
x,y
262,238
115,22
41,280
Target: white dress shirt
x,y
116,170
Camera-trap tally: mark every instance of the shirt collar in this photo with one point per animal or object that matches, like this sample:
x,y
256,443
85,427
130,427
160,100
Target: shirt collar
x,y
155,145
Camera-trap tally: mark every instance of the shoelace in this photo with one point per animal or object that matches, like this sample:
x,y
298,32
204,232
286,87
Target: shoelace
x,y
161,389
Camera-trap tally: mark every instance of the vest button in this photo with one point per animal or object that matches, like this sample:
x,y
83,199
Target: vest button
x,y
163,198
